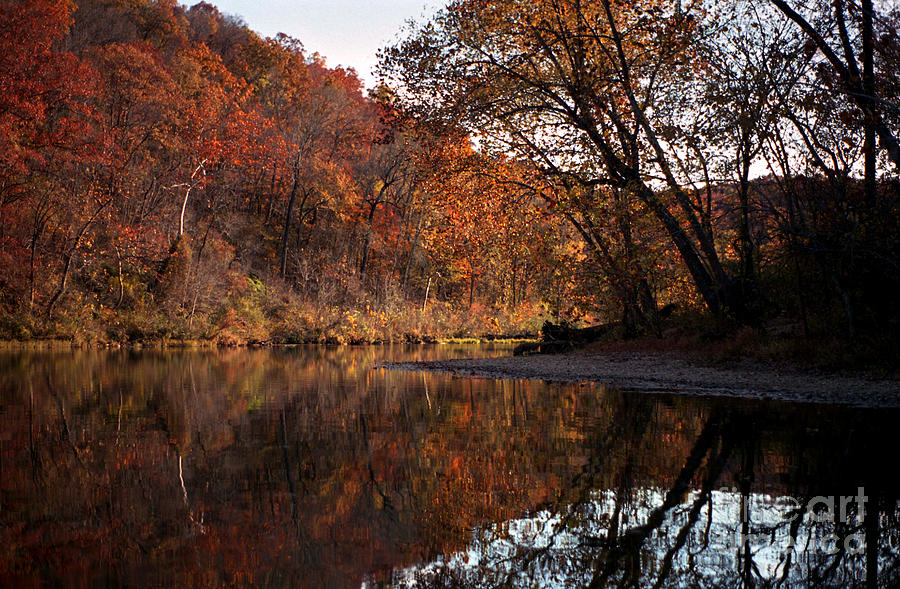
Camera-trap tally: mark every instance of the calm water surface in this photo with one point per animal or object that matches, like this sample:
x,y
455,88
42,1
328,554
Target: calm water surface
x,y
309,467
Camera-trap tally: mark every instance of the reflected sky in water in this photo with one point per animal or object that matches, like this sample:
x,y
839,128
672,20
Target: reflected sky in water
x,y
313,467
710,548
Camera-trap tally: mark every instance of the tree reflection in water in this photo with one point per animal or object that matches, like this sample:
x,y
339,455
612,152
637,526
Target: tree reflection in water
x,y
728,518
310,468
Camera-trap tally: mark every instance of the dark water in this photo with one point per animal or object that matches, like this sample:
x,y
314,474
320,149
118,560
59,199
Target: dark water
x,y
309,468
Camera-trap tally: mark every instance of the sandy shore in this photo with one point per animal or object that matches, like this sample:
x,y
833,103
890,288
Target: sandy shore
x,y
676,373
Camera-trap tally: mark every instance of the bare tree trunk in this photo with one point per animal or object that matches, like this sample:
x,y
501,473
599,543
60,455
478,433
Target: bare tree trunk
x,y
746,243
848,306
412,251
868,82
187,193
704,280
427,289
270,206
62,283
287,224
31,270
558,298
40,222
67,265
121,281
368,240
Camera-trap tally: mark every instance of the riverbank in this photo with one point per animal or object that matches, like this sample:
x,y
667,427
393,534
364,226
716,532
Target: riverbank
x,y
170,344
680,372
268,320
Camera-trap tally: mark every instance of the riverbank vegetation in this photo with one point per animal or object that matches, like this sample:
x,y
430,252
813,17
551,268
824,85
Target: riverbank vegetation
x,y
166,173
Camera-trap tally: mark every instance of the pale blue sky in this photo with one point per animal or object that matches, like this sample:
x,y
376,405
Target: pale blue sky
x,y
346,32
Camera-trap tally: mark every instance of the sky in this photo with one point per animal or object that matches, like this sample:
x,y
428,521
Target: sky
x,y
347,32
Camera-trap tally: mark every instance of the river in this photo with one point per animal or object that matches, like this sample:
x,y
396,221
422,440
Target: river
x,y
313,467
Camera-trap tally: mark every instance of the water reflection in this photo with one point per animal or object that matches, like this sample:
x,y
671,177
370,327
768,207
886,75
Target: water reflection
x,y
307,467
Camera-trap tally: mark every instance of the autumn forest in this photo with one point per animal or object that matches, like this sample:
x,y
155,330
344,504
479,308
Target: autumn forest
x,y
168,174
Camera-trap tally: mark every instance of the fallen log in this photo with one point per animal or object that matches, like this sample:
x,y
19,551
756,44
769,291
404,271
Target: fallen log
x,y
580,335
529,348
556,339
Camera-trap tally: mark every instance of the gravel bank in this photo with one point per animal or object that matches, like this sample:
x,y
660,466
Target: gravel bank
x,y
675,373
